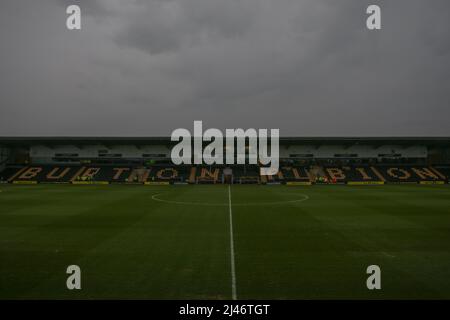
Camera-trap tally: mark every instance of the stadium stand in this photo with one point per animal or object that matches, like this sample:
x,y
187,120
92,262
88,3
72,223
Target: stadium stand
x,y
215,175
147,161
442,171
409,174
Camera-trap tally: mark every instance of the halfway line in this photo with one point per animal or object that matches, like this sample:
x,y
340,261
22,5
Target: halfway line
x,y
233,272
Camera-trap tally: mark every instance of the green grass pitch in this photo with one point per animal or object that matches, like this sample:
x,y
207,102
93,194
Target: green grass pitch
x,y
173,242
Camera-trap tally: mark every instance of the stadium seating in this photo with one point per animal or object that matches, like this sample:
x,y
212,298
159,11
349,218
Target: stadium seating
x,y
358,174
410,174
442,171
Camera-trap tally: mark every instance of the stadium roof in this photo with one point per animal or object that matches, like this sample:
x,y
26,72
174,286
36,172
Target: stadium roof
x,y
27,141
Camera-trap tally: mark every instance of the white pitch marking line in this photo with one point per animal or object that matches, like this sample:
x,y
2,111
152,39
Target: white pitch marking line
x,y
387,254
233,272
155,198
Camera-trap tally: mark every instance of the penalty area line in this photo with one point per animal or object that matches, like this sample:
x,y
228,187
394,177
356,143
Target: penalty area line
x,y
233,269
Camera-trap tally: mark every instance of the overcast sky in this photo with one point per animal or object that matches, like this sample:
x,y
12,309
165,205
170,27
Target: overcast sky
x,y
147,67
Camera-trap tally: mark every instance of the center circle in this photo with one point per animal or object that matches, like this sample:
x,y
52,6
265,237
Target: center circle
x,y
303,197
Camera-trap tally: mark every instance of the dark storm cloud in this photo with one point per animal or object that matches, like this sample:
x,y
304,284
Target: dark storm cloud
x,y
307,67
165,26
